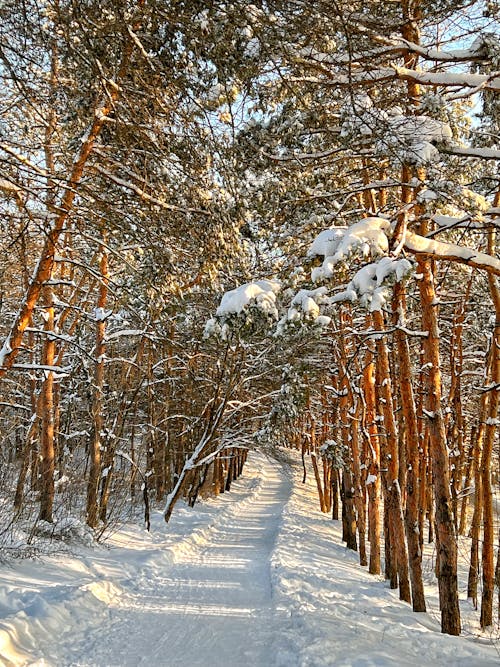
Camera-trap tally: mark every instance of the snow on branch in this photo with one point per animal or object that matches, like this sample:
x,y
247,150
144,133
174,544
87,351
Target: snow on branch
x,y
5,350
257,298
450,79
371,284
477,52
367,238
261,293
46,368
305,307
420,245
469,151
407,139
376,76
370,238
397,46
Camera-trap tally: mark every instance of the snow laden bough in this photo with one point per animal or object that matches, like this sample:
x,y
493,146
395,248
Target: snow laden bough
x,y
252,305
369,239
245,309
405,139
365,240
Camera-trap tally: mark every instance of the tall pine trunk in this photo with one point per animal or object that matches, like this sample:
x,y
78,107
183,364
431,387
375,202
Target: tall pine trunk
x,y
445,527
47,451
97,403
395,513
486,460
412,452
373,481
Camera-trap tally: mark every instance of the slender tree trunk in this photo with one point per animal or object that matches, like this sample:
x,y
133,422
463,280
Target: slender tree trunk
x,y
490,429
497,578
373,481
454,420
47,453
469,471
412,452
445,527
97,404
394,492
47,404
359,495
349,514
475,530
335,495
321,495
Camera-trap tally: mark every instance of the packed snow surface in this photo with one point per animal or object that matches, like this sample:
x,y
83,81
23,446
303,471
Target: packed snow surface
x,y
255,578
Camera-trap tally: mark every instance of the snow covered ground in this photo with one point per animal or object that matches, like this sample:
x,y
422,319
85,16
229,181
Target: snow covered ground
x,y
257,577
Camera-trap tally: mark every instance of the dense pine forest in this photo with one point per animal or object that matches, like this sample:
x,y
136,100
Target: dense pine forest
x,y
230,226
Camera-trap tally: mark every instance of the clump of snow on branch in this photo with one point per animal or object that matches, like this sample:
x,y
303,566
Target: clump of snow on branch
x,y
261,293
410,139
367,239
327,241
418,134
371,284
258,297
306,305
5,351
101,314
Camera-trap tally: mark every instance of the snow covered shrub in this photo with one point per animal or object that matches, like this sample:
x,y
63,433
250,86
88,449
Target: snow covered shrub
x,y
69,530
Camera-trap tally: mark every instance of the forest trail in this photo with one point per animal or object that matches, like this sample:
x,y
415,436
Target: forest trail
x,y
200,595
214,605
257,577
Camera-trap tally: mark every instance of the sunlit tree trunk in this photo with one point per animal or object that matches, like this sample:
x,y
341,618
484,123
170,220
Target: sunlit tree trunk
x,y
47,452
445,527
349,512
475,529
394,492
490,429
373,481
97,403
412,451
358,481
317,477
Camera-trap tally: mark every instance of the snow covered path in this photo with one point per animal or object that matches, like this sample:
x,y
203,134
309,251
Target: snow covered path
x,y
199,594
214,605
255,578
